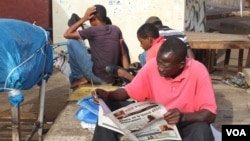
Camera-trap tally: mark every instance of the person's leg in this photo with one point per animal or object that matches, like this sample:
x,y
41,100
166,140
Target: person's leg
x,y
104,134
80,62
198,131
119,71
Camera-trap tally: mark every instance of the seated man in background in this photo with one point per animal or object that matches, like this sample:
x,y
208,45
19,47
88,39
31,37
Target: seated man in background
x,y
183,85
105,47
150,41
166,32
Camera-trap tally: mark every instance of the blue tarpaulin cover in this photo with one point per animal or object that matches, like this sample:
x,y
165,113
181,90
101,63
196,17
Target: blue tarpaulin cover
x,y
26,56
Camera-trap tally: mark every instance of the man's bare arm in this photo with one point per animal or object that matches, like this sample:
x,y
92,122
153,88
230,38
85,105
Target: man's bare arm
x,y
71,32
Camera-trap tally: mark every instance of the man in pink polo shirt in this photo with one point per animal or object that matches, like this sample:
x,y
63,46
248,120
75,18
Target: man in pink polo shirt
x,y
183,85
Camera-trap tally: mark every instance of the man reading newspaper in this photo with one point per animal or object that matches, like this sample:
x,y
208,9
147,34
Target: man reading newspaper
x,y
183,85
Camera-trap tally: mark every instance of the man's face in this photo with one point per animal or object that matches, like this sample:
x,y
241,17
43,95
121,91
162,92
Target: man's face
x,y
146,43
93,21
167,66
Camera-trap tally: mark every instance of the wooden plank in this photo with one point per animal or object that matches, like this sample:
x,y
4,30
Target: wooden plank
x,y
204,40
219,45
216,37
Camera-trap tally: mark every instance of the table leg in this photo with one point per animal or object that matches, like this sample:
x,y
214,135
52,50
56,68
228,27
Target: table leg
x,y
248,59
240,60
226,62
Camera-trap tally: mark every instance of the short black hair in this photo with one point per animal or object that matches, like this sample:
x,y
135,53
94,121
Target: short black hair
x,y
108,20
100,13
175,45
158,24
148,30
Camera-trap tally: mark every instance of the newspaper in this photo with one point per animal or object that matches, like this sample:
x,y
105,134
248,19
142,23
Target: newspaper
x,y
139,121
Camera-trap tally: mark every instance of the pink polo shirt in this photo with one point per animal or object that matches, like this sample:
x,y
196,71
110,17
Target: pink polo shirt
x,y
189,92
152,52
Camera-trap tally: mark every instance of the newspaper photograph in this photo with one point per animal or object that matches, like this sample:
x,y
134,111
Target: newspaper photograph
x,y
140,121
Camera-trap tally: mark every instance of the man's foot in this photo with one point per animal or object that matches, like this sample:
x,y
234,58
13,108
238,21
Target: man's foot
x,y
78,82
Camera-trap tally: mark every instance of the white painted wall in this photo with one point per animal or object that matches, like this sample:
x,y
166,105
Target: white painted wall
x,y
127,14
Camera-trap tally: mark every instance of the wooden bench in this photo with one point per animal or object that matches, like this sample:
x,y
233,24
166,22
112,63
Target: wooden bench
x,y
217,41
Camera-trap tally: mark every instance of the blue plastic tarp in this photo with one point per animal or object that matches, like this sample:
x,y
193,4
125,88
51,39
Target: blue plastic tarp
x,y
26,56
88,111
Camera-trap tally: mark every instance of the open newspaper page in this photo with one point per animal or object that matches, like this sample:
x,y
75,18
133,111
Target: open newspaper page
x,y
106,122
141,121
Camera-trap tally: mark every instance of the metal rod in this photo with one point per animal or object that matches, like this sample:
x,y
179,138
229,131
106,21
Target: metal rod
x,y
15,123
41,111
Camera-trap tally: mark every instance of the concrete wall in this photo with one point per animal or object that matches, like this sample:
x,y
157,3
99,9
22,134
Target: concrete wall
x,y
130,14
33,11
195,15
195,20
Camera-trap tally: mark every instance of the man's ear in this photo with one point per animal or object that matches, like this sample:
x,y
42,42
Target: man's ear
x,y
182,64
151,40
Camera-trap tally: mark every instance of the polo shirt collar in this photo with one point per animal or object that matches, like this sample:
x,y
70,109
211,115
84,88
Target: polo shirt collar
x,y
158,40
185,71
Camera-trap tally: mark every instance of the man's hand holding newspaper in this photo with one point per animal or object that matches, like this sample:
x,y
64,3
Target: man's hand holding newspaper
x,y
140,121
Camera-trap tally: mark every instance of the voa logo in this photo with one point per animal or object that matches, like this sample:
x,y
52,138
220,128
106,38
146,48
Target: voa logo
x,y
236,132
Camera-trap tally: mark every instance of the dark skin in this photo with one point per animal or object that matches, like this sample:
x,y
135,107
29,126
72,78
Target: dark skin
x,y
72,33
167,67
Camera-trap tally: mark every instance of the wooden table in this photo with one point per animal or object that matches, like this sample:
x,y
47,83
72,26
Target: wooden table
x,y
216,41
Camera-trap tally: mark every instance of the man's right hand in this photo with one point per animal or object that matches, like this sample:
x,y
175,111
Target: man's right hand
x,y
99,93
89,12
